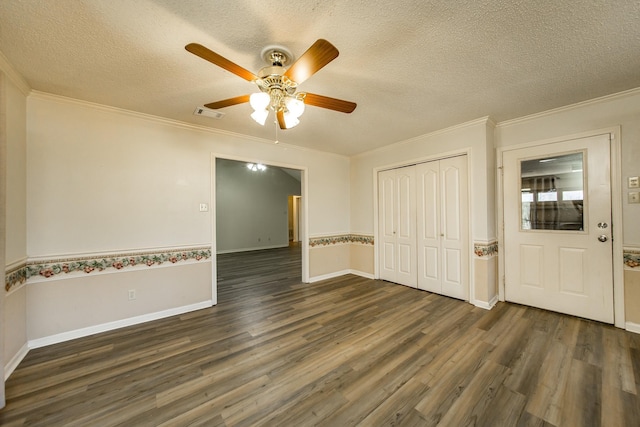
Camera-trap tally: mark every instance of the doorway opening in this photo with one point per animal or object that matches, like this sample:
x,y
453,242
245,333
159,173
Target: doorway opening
x,y
294,220
253,207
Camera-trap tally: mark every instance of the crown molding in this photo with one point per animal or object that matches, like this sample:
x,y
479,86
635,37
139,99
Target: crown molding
x,y
13,75
577,105
170,122
483,120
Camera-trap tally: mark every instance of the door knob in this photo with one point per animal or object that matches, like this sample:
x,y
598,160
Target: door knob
x,y
602,238
602,225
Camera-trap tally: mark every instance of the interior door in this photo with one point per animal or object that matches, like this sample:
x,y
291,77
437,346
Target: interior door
x,y
443,236
557,227
397,222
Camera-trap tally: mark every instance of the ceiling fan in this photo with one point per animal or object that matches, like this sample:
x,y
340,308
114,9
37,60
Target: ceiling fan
x,y
278,85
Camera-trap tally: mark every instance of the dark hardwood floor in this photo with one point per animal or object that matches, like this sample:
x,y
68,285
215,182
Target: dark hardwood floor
x,y
345,351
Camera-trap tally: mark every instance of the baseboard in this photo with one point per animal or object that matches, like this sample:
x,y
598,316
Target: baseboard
x,y
486,305
15,361
259,248
632,327
362,274
329,276
109,326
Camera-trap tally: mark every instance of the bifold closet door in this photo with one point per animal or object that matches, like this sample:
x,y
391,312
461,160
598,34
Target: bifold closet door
x,y
397,225
442,228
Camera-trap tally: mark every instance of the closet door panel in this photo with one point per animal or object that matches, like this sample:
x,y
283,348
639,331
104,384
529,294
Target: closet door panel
x,y
397,226
455,225
405,205
406,226
452,266
389,256
428,204
430,265
451,193
386,233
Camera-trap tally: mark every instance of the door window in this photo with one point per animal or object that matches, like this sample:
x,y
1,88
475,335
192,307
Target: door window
x,y
552,193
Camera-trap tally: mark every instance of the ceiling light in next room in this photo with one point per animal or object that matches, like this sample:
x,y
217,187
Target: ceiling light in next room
x,y
255,167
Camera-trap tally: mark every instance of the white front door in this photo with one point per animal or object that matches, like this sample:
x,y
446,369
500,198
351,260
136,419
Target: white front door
x,y
397,224
443,236
557,227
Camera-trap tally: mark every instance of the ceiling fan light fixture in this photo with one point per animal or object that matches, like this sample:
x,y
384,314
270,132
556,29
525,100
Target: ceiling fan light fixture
x,y
295,106
260,116
259,101
278,85
290,120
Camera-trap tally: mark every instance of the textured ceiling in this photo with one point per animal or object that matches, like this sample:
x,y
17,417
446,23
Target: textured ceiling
x,y
412,66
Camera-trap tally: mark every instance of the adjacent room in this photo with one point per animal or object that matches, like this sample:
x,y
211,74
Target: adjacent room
x,y
320,213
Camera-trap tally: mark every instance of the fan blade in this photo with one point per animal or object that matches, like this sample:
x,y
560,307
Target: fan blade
x,y
220,61
281,123
330,103
228,102
317,56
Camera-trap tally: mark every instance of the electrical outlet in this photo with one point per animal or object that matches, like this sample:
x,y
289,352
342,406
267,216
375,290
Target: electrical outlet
x,y
132,294
204,207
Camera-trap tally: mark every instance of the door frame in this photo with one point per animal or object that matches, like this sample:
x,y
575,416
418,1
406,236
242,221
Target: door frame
x,y
296,216
616,212
303,224
376,236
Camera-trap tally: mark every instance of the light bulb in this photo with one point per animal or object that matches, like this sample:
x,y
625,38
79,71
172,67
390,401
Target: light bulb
x,y
290,120
295,106
260,116
259,101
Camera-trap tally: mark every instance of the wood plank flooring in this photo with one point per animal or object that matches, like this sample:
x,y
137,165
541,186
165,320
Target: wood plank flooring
x,y
341,352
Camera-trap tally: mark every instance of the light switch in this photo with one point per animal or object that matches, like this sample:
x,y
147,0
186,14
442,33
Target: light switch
x,y
204,207
634,182
634,196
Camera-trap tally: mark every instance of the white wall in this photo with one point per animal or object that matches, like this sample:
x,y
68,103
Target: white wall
x,y
82,305
14,315
102,179
469,137
252,206
16,174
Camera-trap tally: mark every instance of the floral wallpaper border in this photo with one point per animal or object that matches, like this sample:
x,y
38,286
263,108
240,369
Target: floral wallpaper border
x,y
16,276
89,264
631,258
340,239
21,273
485,249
